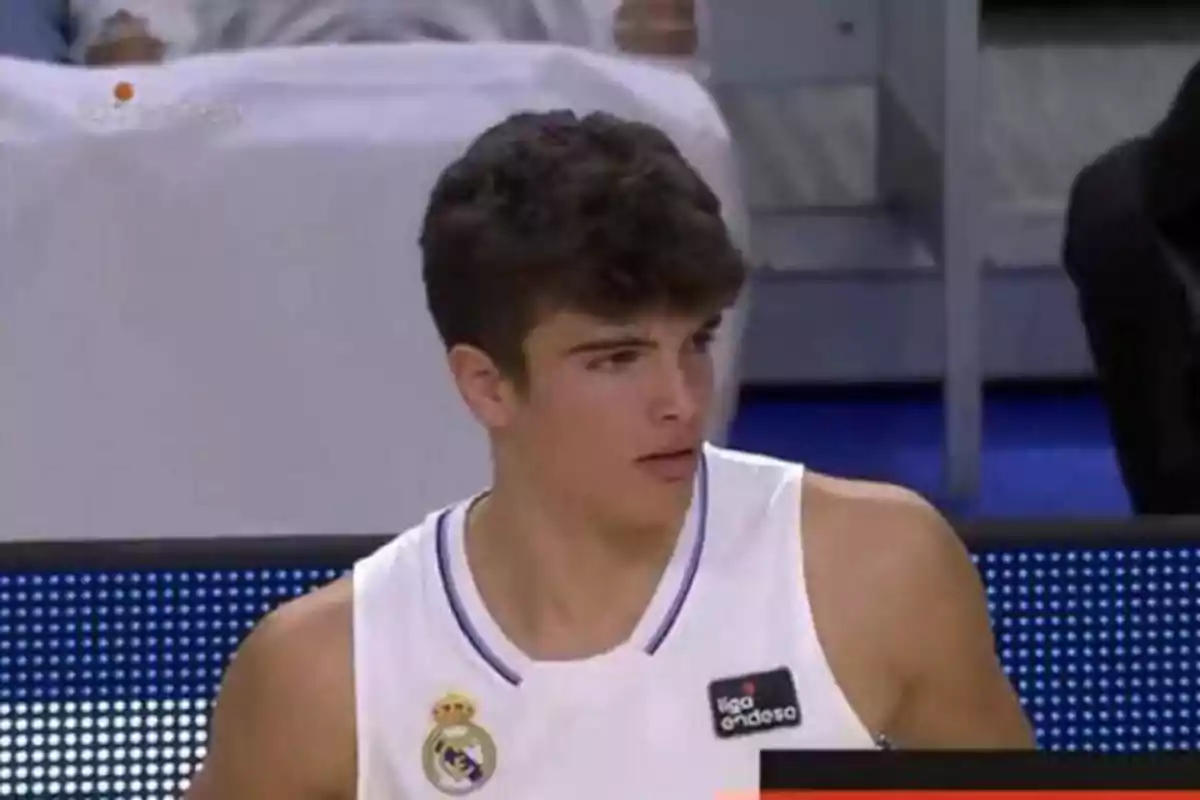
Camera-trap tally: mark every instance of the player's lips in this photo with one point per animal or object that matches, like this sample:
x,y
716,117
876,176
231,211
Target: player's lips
x,y
672,466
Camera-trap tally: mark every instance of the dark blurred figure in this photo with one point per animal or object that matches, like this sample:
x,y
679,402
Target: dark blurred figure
x,y
1132,247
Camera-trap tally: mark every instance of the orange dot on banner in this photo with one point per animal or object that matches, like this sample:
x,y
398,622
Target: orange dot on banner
x,y
123,91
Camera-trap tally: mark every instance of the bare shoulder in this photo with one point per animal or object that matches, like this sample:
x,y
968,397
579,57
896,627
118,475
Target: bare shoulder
x,y
306,647
283,725
313,624
878,526
902,614
887,545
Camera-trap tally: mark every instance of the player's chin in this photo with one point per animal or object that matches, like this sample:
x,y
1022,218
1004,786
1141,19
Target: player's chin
x,y
654,516
656,501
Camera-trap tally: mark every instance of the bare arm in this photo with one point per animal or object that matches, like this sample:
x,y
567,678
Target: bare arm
x,y
955,694
283,728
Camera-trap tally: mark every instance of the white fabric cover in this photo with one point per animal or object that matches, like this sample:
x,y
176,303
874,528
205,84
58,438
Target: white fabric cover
x,y
211,315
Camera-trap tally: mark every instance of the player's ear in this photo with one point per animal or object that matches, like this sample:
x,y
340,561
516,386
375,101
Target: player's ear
x,y
488,393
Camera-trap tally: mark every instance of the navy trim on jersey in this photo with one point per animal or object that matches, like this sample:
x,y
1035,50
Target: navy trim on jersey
x,y
689,577
656,641
460,614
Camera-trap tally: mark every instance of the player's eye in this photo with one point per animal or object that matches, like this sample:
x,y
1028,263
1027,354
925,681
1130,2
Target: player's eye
x,y
615,360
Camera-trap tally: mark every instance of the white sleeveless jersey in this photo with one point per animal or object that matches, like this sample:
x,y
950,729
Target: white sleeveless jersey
x,y
724,663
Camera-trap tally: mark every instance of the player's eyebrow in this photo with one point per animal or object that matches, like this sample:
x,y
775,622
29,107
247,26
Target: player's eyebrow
x,y
609,343
624,341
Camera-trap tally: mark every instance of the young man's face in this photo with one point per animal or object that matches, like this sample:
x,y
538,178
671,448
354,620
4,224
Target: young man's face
x,y
612,416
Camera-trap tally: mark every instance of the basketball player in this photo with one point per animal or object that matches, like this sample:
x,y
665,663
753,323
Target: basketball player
x,y
626,610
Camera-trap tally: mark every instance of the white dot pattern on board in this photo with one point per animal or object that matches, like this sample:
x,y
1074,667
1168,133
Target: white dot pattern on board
x,y
106,678
1101,644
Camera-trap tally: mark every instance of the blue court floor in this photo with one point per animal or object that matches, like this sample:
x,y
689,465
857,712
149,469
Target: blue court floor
x,y
1047,450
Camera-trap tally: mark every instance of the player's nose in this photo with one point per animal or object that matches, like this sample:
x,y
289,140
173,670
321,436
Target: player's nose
x,y
677,398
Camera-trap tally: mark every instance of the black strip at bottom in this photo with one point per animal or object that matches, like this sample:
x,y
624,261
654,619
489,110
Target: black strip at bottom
x,y
977,770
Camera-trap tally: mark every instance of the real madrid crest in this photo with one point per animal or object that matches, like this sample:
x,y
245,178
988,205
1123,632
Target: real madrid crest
x,y
459,756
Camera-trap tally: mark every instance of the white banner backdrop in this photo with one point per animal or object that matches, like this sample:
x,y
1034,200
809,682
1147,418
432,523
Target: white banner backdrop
x,y
212,321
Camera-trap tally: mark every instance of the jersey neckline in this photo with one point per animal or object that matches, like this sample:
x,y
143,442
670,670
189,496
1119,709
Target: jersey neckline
x,y
508,661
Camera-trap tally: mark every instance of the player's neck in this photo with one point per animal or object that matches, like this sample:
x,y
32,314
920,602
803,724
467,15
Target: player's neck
x,y
562,586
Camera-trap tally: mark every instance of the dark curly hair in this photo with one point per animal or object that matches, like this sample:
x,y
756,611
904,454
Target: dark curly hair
x,y
554,212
